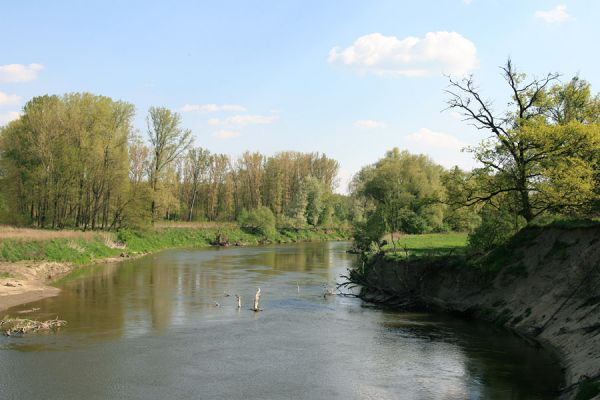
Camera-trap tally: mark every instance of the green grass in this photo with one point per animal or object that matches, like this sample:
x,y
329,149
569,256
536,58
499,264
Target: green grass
x,y
432,244
86,250
79,251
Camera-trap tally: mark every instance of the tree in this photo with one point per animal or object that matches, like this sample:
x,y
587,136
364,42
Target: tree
x,y
196,167
404,190
529,155
168,141
66,161
457,216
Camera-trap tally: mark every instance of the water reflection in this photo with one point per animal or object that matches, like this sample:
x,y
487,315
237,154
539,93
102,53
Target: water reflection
x,y
149,328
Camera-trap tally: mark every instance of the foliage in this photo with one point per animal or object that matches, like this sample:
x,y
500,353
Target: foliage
x,y
457,216
259,220
65,161
402,191
74,161
544,149
497,227
369,231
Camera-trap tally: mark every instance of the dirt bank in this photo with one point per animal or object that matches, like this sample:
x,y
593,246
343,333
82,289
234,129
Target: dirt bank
x,y
544,286
26,281
23,282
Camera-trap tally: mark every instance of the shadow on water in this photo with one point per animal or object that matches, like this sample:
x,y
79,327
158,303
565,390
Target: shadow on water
x,y
151,328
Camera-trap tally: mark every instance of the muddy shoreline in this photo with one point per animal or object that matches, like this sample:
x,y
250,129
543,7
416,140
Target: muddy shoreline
x,y
24,282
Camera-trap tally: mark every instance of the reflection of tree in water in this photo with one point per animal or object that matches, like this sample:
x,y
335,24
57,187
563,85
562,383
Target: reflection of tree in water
x,y
154,292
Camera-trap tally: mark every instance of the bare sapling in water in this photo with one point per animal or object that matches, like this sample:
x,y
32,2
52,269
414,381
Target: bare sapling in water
x,y
256,301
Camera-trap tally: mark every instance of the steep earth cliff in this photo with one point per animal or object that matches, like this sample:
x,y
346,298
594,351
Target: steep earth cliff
x,y
544,285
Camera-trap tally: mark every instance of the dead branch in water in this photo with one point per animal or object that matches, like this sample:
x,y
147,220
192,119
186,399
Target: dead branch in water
x,y
256,301
10,326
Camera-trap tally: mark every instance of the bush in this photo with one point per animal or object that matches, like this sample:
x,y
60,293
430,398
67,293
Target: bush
x,y
369,232
259,220
497,226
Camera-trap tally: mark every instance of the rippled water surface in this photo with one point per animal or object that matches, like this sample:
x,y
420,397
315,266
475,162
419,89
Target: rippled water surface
x,y
150,329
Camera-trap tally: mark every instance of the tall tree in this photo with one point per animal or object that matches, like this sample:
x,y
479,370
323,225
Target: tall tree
x,y
168,141
519,159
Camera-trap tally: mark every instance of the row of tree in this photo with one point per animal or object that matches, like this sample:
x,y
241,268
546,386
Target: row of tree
x,y
75,161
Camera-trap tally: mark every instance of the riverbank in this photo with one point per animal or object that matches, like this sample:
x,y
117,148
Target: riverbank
x,y
544,285
30,262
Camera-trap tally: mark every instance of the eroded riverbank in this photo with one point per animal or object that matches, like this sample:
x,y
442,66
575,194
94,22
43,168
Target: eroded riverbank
x,y
547,289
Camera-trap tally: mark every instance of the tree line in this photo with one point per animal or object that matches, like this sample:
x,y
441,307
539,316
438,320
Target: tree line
x,y
76,161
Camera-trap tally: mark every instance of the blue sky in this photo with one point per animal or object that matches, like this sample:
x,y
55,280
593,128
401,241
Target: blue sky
x,y
351,79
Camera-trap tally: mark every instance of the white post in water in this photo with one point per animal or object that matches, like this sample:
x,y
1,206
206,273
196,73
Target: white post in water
x,y
256,300
239,299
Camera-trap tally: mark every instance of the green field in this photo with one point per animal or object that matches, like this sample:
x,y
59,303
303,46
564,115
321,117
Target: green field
x,y
426,245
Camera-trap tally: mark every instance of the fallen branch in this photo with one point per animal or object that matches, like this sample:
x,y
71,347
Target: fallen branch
x,y
10,326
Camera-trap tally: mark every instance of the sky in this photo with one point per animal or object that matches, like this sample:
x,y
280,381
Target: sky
x,y
351,79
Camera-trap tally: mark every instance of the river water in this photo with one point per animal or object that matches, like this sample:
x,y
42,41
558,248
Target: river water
x,y
150,328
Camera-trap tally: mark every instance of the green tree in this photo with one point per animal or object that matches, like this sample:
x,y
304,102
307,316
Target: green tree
x,y
405,191
547,165
168,141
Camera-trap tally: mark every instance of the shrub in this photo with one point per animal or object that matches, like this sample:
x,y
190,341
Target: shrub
x,y
259,220
497,226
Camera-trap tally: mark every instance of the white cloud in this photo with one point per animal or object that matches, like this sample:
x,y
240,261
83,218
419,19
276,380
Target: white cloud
x,y
243,120
9,99
429,138
437,52
210,108
467,2
556,15
369,124
19,72
10,116
224,134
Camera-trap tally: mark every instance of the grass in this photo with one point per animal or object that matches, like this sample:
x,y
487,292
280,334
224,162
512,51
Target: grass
x,y
11,232
97,245
432,244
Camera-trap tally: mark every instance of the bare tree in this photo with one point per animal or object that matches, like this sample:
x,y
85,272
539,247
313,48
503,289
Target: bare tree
x,y
509,155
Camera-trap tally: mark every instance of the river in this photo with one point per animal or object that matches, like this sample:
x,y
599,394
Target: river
x,y
166,326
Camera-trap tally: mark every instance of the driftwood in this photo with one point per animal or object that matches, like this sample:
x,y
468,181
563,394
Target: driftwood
x,y
10,326
328,291
256,307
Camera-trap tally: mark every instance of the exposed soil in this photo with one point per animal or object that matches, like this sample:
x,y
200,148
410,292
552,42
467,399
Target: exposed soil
x,y
545,287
